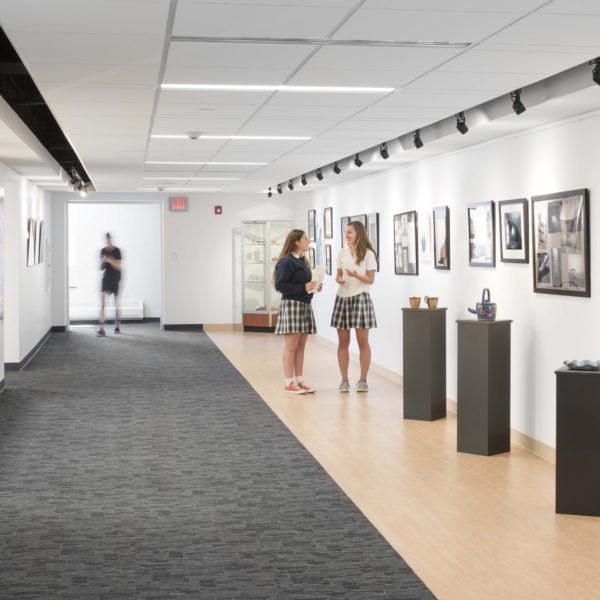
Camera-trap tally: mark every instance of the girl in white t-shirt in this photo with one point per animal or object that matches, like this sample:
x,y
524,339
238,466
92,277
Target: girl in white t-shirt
x,y
353,309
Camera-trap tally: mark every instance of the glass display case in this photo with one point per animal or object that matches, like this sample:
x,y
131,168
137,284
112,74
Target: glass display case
x,y
262,242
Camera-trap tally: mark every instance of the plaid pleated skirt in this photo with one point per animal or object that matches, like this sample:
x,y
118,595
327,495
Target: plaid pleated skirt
x,y
355,312
295,317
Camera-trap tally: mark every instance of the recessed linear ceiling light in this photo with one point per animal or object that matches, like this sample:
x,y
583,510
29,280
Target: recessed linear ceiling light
x,y
276,88
181,189
180,162
192,178
230,137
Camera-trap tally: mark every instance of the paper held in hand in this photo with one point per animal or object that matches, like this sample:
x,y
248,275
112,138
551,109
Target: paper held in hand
x,y
317,275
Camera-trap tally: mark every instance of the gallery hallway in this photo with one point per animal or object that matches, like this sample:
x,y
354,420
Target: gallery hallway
x,y
144,466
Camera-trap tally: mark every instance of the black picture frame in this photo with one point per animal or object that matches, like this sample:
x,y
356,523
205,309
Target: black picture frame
x,y
513,230
441,238
312,225
328,267
482,234
328,222
344,223
406,245
372,228
560,232
311,257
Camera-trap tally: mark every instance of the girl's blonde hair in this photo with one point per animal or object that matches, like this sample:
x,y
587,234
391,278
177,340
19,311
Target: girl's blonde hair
x,y
362,243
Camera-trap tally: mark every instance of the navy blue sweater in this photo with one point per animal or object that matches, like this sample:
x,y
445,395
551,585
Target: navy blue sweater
x,y
291,277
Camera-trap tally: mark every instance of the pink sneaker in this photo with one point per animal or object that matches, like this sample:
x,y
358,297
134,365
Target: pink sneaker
x,y
293,388
308,389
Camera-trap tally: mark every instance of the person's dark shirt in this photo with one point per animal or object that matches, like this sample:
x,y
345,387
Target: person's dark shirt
x,y
291,277
110,273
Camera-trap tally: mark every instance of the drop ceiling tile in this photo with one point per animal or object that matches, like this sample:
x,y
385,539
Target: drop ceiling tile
x,y
94,126
183,149
255,20
492,6
227,75
94,74
299,126
83,142
213,98
416,25
354,77
103,109
223,111
200,124
69,92
572,7
280,3
326,113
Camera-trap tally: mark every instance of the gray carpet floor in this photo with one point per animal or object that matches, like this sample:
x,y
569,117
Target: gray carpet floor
x,y
145,466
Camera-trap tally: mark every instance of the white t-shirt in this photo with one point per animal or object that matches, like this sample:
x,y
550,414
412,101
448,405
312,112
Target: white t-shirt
x,y
352,286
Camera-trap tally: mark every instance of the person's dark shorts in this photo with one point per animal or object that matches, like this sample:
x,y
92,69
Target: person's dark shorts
x,y
110,287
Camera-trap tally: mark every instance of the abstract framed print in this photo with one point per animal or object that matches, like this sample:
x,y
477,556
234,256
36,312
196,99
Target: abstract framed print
x,y
441,238
373,233
482,234
311,257
561,243
312,226
406,255
513,224
328,222
328,268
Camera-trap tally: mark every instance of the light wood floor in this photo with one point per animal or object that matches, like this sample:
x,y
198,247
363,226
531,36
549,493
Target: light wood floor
x,y
471,527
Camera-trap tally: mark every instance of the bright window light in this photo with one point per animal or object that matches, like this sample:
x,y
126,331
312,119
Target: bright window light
x,y
277,88
230,137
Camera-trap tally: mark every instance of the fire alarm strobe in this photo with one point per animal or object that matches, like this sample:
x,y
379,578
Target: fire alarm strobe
x,y
218,210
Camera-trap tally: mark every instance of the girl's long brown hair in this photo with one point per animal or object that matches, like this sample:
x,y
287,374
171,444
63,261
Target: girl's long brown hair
x,y
362,243
289,246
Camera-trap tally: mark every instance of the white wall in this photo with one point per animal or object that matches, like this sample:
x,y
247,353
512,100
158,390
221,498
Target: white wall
x,y
547,329
199,254
136,230
27,290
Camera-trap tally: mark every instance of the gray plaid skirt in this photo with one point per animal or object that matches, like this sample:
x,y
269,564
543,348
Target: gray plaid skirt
x,y
355,312
295,317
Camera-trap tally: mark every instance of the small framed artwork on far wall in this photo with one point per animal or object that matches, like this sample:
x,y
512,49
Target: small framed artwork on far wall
x,y
311,257
328,222
344,223
482,234
513,224
328,268
441,237
312,226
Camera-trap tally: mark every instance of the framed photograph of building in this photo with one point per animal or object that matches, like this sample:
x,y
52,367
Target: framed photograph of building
x,y
482,234
561,243
312,226
406,255
373,232
328,222
311,257
441,237
328,267
513,224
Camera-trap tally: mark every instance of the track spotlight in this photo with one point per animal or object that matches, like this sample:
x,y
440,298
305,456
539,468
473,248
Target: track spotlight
x,y
417,141
596,71
517,105
303,180
269,193
82,189
461,123
279,190
336,169
384,151
290,185
319,175
357,161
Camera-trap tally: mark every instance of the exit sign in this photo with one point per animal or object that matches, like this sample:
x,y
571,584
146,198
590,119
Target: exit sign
x,y
178,204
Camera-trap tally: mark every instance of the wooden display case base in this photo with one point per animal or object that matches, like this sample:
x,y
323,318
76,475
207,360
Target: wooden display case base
x,y
259,322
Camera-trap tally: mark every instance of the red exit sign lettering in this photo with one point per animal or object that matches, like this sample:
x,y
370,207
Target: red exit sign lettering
x,y
178,204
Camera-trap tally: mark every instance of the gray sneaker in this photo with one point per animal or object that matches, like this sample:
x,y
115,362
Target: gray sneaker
x,y
362,386
344,386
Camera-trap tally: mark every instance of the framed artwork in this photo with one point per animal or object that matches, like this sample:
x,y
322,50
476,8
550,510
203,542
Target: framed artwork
x,y
441,237
425,239
373,232
561,243
31,229
482,234
328,222
513,223
42,241
312,226
311,257
406,257
361,218
344,222
328,269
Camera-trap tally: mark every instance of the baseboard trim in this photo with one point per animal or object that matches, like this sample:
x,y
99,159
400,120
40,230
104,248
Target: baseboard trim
x,y
534,446
58,329
184,327
110,321
223,327
21,365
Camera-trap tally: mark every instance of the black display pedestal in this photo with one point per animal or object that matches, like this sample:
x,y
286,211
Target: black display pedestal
x,y
424,363
483,402
577,442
